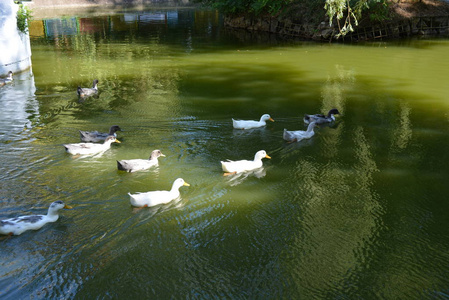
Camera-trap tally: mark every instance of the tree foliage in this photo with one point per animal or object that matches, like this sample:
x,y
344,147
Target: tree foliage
x,y
346,13
247,6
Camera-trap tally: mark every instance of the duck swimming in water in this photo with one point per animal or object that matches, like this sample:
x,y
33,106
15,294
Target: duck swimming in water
x,y
17,225
298,135
8,79
321,119
96,137
90,148
157,197
233,167
87,92
249,124
133,165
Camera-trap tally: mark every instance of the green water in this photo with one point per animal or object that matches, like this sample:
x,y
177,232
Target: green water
x,y
359,211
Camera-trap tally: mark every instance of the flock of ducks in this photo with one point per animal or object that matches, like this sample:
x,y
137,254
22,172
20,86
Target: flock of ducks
x,y
94,142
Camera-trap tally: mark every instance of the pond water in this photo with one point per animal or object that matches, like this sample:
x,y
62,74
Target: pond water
x,y
358,211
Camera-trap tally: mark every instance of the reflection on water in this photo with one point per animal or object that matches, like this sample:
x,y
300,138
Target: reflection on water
x,y
55,28
328,246
403,134
238,178
357,211
18,106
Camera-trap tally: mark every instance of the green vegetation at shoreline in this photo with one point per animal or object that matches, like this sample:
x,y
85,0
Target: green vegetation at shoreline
x,y
247,6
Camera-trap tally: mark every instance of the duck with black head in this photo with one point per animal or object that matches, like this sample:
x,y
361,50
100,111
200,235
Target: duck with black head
x,y
321,119
97,137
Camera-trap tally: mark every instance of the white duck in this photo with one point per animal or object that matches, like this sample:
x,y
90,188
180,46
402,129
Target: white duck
x,y
18,225
133,165
157,197
90,148
232,167
298,135
248,124
87,92
96,137
321,119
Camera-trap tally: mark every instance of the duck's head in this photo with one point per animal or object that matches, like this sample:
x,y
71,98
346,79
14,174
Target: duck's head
x,y
180,182
333,111
156,154
111,139
266,117
57,205
114,129
261,154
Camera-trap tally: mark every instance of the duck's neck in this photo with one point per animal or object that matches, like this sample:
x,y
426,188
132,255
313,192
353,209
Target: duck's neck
x,y
52,213
175,188
310,127
107,144
258,158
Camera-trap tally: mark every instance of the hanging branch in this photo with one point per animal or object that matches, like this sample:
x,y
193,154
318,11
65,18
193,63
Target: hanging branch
x,y
339,9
